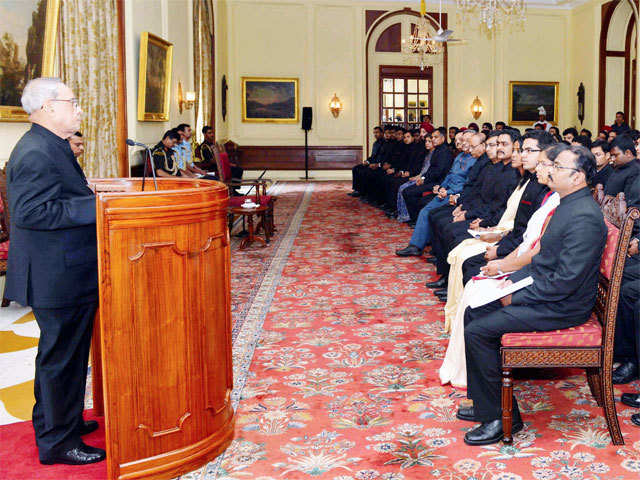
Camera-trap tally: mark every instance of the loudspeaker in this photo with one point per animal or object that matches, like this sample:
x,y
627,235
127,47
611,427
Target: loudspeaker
x,y
307,116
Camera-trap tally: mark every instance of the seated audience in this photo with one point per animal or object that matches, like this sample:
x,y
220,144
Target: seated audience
x,y
451,185
586,133
164,157
501,125
569,135
625,166
206,151
600,150
402,214
562,295
183,151
76,142
453,131
426,124
358,172
620,125
603,135
453,369
582,140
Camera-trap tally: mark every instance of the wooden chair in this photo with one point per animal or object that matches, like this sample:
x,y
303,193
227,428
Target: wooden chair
x,y
4,229
588,346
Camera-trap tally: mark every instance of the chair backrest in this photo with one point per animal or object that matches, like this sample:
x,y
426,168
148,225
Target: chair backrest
x,y
598,193
224,167
610,278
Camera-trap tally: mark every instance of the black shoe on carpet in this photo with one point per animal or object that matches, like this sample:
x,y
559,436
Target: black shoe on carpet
x,y
440,283
631,399
409,251
490,432
635,419
80,455
625,373
466,414
87,427
354,194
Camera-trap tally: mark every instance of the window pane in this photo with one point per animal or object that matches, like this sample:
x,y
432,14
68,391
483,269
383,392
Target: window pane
x,y
387,115
412,115
387,100
387,85
424,101
399,84
412,86
399,100
399,115
424,112
412,101
424,86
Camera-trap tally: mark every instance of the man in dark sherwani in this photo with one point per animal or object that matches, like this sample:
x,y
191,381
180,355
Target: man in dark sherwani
x,y
53,266
563,293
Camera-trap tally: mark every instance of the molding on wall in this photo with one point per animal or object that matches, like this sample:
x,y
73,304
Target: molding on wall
x,y
291,157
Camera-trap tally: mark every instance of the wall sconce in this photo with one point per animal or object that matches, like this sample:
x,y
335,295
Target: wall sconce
x,y
186,99
335,105
476,108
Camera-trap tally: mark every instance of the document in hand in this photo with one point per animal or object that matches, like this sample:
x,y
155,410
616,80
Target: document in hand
x,y
491,292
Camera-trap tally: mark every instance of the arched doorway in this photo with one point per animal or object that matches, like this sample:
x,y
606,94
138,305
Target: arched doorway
x,y
618,59
419,91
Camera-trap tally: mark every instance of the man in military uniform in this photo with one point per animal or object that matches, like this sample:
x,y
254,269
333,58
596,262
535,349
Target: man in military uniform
x,y
164,157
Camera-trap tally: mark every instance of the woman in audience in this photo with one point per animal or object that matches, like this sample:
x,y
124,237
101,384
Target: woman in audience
x,y
454,368
403,213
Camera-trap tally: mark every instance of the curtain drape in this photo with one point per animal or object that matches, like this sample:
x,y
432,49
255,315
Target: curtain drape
x,y
89,51
203,73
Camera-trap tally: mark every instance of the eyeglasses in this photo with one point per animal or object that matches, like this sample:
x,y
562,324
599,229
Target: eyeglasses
x,y
72,101
555,166
530,150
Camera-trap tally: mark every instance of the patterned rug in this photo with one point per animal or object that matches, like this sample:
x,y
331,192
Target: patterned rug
x,y
338,379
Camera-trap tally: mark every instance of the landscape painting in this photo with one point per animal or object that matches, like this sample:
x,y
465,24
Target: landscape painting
x,y
526,97
270,100
27,49
154,78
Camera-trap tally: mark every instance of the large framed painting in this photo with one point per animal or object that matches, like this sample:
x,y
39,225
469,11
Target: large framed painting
x,y
526,97
154,78
272,100
28,33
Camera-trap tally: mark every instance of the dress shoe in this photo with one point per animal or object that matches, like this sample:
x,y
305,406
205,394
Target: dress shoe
x,y
354,194
490,432
411,223
466,414
635,419
409,251
87,427
80,455
443,298
440,283
440,292
431,259
631,399
625,373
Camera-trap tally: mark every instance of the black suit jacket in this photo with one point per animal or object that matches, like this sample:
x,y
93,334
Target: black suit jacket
x,y
441,160
52,254
565,271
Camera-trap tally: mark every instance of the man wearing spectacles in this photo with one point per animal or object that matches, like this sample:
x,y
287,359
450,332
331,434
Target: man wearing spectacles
x,y
562,295
53,266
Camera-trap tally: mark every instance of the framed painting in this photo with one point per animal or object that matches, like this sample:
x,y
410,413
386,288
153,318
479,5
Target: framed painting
x,y
154,78
273,100
526,97
28,34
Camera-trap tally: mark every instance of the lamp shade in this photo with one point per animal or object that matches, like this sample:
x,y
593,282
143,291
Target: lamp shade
x,y
476,108
335,105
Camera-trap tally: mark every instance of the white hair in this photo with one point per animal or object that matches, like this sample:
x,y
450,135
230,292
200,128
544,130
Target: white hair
x,y
38,91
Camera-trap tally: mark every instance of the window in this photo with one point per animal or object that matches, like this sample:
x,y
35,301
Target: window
x,y
405,95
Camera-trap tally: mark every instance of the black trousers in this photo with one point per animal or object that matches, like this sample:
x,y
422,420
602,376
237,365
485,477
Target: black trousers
x,y
446,239
627,337
414,199
237,172
392,185
483,330
61,373
357,176
471,267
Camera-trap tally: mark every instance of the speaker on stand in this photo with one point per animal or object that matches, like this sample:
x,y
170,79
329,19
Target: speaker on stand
x,y
307,116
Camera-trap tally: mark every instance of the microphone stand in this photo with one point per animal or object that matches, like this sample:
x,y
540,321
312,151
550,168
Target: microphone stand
x,y
149,159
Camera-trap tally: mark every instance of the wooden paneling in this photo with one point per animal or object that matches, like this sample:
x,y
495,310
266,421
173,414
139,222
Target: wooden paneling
x,y
390,40
292,157
165,347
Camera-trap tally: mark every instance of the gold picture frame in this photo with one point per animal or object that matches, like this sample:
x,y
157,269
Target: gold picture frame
x,y
270,100
42,61
526,97
154,78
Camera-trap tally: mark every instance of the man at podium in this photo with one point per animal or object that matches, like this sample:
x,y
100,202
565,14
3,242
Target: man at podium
x,y
53,266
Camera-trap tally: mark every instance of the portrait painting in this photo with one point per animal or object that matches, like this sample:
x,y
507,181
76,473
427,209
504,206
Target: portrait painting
x,y
272,100
154,79
526,97
27,50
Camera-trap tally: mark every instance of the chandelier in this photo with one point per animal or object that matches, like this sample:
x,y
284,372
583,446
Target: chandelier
x,y
495,12
420,44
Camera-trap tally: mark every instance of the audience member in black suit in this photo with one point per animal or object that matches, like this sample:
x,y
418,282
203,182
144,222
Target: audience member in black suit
x,y
600,150
627,339
359,171
383,163
620,124
565,279
441,160
625,166
485,210
53,266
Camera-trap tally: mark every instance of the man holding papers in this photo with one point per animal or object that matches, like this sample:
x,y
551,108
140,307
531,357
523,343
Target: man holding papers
x,y
562,295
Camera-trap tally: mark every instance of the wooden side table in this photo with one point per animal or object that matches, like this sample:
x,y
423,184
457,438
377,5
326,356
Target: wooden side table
x,y
248,213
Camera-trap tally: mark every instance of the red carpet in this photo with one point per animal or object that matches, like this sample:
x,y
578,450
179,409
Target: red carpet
x,y
19,455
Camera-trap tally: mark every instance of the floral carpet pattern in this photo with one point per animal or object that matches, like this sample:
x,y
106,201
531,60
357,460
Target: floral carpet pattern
x,y
336,371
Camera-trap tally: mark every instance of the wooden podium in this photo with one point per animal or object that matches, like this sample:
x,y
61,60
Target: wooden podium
x,y
162,343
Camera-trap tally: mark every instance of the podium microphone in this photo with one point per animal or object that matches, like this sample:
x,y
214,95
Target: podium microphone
x,y
148,159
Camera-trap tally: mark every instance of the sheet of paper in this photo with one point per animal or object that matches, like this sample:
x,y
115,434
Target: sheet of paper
x,y
491,292
478,233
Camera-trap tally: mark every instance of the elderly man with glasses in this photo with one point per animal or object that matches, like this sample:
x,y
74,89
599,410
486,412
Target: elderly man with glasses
x,y
53,266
